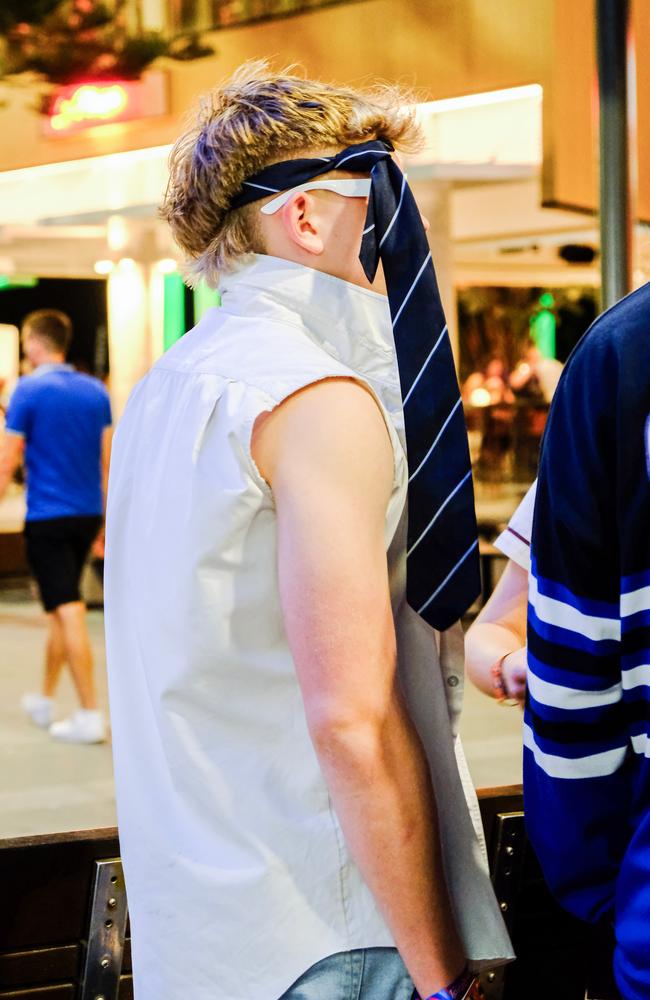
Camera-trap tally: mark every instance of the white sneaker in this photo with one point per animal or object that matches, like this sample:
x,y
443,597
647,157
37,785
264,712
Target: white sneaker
x,y
86,725
38,708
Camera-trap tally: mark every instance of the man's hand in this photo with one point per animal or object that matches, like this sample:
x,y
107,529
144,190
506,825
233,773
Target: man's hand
x,y
327,456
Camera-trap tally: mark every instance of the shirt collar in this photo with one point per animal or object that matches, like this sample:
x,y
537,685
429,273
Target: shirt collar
x,y
52,367
351,323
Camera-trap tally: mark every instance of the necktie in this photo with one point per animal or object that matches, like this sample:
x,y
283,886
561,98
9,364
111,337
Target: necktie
x,y
442,549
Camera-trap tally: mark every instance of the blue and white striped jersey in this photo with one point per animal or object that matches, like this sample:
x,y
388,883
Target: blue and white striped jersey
x,y
587,719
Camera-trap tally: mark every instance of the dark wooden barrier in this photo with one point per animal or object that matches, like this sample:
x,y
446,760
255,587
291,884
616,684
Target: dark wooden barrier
x,y
47,884
13,560
60,934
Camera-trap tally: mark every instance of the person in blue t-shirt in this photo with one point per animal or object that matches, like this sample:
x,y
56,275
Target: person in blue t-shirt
x,y
60,420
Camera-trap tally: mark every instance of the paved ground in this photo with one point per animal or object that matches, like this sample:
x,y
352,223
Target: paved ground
x,y
47,787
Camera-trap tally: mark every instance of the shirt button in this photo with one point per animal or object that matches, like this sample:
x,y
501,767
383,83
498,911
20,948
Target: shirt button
x,y
453,681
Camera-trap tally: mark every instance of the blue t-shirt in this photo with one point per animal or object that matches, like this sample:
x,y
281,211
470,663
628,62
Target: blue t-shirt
x,y
61,414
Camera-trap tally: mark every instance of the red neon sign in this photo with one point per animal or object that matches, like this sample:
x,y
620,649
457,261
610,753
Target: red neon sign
x,y
88,103
84,105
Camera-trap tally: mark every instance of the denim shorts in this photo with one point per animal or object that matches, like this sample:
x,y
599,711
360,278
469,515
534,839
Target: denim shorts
x,y
367,974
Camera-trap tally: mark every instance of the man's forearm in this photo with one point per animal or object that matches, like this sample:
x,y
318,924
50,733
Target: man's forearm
x,y
11,450
381,789
6,476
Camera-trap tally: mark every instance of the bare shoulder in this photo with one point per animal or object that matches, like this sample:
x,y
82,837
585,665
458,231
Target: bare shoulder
x,y
327,424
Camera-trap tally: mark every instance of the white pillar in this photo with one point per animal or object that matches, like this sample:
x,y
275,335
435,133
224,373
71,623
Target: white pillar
x,y
129,336
9,359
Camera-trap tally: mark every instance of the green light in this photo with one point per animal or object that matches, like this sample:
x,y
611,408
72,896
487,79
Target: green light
x,y
16,281
204,298
542,326
173,309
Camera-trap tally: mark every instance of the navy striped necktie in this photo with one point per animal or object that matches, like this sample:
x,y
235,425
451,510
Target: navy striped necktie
x,y
442,548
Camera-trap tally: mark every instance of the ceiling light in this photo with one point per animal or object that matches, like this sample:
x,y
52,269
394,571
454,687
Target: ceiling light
x,y
167,266
103,266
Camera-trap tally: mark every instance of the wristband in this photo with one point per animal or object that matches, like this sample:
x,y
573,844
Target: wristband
x,y
459,989
498,684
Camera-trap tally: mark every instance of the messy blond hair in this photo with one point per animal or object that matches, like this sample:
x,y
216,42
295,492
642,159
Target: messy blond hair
x,y
256,118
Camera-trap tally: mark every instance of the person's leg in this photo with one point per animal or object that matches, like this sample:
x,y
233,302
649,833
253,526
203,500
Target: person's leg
x,y
71,619
43,546
87,724
39,706
54,656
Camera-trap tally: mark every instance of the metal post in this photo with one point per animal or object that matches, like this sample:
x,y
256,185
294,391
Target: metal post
x,y
612,23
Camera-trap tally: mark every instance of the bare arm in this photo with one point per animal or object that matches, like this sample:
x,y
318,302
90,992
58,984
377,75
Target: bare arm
x,y
328,459
11,453
500,631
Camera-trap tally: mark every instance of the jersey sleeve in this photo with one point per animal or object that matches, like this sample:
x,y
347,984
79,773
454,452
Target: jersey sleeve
x,y
514,542
577,780
18,418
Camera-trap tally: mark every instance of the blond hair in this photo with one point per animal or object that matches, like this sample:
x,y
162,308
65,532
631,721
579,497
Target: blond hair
x,y
256,118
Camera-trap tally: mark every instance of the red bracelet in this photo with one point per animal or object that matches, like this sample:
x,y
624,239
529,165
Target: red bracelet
x,y
498,685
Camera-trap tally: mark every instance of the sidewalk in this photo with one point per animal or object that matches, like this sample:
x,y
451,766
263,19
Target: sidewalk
x,y
48,787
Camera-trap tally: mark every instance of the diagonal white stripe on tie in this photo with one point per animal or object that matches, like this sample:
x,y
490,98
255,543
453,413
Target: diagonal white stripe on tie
x,y
410,291
437,438
373,152
448,577
392,221
440,510
423,368
262,187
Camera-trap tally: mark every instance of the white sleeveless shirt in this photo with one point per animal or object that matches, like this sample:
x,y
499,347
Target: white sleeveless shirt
x,y
238,875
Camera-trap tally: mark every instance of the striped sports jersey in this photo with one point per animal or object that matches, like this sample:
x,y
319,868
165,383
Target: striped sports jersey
x,y
587,719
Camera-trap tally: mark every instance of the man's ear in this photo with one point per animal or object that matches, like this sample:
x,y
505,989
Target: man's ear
x,y
302,223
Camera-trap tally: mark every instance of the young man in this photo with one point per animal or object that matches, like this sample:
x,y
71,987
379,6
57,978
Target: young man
x,y
279,710
61,420
586,764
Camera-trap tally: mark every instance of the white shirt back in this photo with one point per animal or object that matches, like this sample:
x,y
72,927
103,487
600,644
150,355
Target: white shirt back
x,y
237,872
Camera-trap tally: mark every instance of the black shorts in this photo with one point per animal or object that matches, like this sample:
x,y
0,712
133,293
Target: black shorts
x,y
57,550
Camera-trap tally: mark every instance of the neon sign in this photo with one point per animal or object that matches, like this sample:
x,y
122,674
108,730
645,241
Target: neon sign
x,y
89,103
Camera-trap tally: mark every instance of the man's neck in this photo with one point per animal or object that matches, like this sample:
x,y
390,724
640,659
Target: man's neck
x,y
50,359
